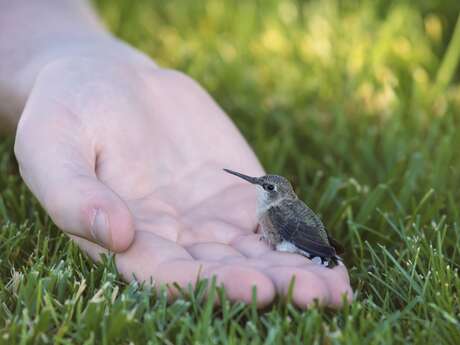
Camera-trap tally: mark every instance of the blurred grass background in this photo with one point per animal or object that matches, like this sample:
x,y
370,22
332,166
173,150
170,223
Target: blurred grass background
x,y
357,102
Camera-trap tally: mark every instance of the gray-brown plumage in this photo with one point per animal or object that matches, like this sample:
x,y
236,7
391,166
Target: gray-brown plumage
x,y
288,224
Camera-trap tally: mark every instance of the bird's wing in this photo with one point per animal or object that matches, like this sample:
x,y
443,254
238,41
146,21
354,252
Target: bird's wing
x,y
314,221
339,249
294,227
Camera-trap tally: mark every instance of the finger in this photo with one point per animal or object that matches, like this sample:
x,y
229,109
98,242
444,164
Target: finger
x,y
144,257
153,259
307,287
337,281
57,162
171,263
240,281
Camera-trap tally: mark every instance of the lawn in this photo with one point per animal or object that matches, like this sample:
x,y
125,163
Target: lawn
x,y
357,102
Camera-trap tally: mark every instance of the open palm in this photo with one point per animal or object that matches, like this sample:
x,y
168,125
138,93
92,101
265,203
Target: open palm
x,y
138,152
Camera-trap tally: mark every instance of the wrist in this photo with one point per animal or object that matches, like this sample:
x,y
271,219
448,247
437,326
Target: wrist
x,y
98,47
15,90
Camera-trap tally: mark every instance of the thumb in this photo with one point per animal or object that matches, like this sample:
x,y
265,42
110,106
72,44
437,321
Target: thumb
x,y
59,168
83,206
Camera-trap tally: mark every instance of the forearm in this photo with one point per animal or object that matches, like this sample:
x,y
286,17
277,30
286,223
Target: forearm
x,y
35,33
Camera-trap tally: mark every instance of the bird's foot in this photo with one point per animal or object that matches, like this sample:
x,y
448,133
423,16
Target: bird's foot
x,y
317,260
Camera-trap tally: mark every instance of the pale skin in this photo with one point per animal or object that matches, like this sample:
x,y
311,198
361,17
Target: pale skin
x,y
127,157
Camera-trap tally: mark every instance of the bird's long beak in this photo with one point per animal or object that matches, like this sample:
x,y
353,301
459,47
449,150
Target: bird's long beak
x,y
253,180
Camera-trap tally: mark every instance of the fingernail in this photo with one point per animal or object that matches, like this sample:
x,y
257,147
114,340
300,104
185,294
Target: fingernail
x,y
100,228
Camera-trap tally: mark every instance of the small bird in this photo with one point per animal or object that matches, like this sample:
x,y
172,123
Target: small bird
x,y
287,224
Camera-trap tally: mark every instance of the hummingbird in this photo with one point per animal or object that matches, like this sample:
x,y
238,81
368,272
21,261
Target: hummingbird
x,y
288,224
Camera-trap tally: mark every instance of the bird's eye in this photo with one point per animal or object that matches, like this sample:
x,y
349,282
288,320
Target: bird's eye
x,y
268,186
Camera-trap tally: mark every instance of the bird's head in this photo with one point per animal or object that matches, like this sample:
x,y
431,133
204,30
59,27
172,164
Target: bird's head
x,y
270,188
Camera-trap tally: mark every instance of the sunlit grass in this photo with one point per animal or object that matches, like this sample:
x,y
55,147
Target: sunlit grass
x,y
357,102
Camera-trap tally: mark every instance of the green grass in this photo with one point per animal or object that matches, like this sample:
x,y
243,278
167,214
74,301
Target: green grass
x,y
358,102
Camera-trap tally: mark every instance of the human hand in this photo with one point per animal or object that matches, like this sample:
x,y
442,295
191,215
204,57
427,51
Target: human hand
x,y
129,157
